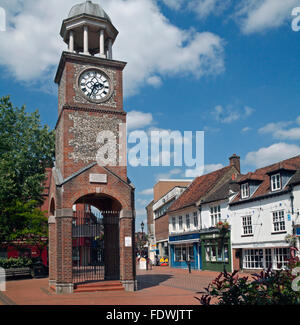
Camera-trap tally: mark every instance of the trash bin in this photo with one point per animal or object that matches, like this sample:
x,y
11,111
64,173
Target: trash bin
x,y
38,269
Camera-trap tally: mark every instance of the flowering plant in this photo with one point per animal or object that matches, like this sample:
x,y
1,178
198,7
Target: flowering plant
x,y
222,225
291,239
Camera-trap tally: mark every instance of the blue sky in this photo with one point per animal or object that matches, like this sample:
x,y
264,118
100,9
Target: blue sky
x,y
231,70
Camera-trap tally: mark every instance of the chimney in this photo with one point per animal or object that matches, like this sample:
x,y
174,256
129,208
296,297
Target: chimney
x,y
235,161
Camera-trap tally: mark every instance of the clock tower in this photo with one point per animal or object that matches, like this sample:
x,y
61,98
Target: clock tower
x,y
90,167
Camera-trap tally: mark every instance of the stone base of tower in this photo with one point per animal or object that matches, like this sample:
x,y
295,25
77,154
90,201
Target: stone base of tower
x,y
130,285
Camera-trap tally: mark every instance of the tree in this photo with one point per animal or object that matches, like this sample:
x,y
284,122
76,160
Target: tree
x,y
26,149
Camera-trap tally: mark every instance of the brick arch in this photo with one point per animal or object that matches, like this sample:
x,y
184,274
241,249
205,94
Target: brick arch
x,y
102,202
104,192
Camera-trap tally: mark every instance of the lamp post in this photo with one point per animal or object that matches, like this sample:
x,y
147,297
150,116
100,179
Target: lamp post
x,y
142,227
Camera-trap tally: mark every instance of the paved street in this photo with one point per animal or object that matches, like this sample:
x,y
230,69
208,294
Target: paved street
x,y
159,286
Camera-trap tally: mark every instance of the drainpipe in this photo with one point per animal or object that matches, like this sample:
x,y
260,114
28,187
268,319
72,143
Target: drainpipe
x,y
200,262
200,210
292,200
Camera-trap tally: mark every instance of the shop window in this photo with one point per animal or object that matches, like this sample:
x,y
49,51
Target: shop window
x,y
183,253
268,258
226,255
213,253
207,253
216,251
191,253
177,253
253,259
281,256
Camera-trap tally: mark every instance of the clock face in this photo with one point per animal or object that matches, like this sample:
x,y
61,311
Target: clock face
x,y
95,85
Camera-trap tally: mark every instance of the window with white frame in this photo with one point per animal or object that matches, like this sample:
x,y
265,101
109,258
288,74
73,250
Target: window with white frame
x,y
247,225
245,192
278,221
180,222
281,256
215,215
274,258
268,258
195,215
275,182
173,223
253,258
187,221
184,253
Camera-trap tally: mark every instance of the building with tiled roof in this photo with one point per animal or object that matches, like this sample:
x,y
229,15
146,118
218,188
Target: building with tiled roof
x,y
264,215
195,218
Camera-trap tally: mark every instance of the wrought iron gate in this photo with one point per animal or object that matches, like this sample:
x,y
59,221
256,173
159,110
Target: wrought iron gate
x,y
95,241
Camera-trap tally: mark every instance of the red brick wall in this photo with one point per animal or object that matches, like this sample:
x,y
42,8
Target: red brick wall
x,y
162,228
236,257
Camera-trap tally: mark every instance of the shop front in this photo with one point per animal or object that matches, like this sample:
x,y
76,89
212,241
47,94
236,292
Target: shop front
x,y
185,249
216,251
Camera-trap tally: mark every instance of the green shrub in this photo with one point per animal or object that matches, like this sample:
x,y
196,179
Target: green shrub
x,y
11,263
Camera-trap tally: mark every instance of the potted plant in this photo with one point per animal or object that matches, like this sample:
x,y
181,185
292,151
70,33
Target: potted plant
x,y
222,225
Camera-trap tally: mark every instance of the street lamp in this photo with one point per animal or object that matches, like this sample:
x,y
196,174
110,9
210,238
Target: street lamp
x,y
142,226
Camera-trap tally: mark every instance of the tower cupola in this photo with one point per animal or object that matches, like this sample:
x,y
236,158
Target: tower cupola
x,y
89,30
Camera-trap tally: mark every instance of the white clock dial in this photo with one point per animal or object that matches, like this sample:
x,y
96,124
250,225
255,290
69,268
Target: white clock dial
x,y
94,84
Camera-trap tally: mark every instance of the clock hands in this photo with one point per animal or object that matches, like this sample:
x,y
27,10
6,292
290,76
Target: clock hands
x,y
96,87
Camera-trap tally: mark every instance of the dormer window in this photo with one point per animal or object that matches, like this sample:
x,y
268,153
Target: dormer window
x,y
275,182
245,192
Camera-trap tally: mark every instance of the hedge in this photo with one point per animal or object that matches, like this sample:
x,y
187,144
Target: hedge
x,y
11,263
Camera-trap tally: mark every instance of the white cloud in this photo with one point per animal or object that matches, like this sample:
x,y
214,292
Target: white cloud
x,y
148,41
200,171
148,191
279,130
138,120
203,8
246,129
173,4
230,114
154,81
261,15
272,154
170,174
